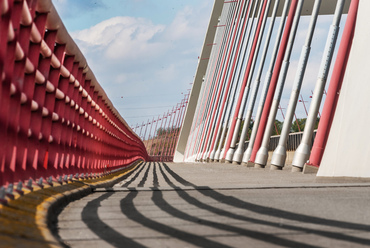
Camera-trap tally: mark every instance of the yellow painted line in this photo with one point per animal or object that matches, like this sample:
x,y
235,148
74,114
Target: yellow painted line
x,y
24,221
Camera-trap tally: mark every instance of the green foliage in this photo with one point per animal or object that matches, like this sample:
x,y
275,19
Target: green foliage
x,y
298,125
276,130
164,131
302,124
251,123
317,122
164,141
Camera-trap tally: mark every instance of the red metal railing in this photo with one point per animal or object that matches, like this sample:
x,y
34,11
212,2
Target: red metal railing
x,y
55,119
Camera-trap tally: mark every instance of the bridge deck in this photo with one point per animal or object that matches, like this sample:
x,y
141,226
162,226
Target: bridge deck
x,y
218,205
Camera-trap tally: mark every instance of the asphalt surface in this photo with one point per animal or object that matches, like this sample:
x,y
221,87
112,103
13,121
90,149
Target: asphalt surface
x,y
220,205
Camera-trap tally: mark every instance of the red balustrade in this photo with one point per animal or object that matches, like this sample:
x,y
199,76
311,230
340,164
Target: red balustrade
x,y
55,119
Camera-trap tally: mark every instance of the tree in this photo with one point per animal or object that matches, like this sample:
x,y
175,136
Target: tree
x,y
301,124
161,131
317,122
164,140
249,129
278,125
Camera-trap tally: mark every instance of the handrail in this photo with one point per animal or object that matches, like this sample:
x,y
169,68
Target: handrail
x,y
56,121
293,141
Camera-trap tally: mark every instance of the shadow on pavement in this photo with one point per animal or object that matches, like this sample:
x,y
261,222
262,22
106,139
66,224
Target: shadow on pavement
x,y
128,208
91,219
145,177
232,201
166,207
134,177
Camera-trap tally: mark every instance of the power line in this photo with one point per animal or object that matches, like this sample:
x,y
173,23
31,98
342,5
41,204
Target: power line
x,y
124,97
147,107
132,117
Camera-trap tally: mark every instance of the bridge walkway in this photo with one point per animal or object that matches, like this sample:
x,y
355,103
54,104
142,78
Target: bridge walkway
x,y
218,205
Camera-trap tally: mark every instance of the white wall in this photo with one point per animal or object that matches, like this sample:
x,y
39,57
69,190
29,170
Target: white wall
x,y
347,153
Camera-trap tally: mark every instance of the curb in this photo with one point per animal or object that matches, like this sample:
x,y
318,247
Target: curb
x,y
28,220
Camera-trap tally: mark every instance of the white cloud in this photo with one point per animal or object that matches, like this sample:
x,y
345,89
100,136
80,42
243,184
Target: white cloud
x,y
133,56
182,26
121,38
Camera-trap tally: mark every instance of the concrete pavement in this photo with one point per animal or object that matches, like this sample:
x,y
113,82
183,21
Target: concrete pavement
x,y
27,217
220,205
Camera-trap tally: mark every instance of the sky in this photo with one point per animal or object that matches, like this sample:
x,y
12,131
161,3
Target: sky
x,y
144,53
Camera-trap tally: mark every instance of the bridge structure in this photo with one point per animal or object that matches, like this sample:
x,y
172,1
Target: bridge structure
x,y
160,134
246,56
61,136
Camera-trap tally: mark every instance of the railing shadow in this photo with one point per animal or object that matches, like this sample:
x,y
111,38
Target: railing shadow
x,y
90,217
145,177
237,203
155,177
138,171
166,207
128,208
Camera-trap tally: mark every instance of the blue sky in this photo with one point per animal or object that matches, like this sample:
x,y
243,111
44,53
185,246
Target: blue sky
x,y
144,53
81,14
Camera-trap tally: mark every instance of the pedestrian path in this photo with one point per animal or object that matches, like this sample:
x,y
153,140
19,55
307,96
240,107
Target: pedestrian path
x,y
218,205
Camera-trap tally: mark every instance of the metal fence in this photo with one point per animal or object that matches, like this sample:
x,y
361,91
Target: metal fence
x,y
294,140
55,119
